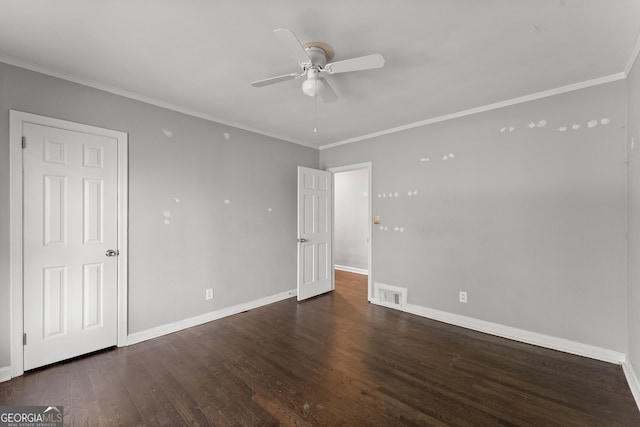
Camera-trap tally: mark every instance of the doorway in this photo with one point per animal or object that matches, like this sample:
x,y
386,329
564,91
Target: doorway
x,y
352,220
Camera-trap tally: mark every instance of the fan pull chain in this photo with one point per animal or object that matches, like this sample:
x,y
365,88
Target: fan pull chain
x,y
315,110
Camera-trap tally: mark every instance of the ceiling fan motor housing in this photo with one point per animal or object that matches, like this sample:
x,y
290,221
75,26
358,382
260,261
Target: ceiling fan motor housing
x,y
317,55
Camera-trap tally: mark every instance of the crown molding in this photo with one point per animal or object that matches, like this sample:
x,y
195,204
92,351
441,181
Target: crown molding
x,y
482,109
633,57
142,98
158,103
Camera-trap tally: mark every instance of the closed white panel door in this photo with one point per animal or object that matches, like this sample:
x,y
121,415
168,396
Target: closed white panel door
x,y
70,222
315,265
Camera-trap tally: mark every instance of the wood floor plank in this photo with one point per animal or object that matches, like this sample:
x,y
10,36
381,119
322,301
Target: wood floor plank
x,y
332,360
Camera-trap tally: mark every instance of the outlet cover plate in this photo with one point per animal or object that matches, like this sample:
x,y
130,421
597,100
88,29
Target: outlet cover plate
x,y
463,296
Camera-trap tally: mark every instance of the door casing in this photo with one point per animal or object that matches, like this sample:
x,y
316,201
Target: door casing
x,y
16,296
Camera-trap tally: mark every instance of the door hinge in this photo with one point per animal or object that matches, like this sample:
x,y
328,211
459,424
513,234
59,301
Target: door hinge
x,y
24,142
24,338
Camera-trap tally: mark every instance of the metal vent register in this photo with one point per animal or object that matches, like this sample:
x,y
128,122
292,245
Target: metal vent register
x,y
390,296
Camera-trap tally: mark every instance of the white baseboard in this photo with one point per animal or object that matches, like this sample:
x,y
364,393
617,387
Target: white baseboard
x,y
170,328
632,380
5,373
541,340
352,269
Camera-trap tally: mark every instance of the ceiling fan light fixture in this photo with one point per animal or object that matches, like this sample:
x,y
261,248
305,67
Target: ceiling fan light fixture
x,y
312,87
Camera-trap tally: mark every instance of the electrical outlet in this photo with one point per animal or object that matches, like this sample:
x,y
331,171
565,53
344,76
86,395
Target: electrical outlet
x,y
209,294
463,296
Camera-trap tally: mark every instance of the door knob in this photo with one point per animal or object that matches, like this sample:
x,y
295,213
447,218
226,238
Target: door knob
x,y
111,252
302,240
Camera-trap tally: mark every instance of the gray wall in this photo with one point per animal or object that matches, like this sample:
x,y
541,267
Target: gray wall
x,y
526,216
350,221
240,249
530,221
633,127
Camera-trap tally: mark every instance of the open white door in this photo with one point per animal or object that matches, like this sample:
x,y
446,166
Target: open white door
x,y
70,243
315,232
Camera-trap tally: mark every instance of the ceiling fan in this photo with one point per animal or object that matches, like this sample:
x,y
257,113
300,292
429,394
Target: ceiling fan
x,y
312,58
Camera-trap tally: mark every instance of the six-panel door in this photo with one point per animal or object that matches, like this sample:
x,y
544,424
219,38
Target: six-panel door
x,y
315,265
70,221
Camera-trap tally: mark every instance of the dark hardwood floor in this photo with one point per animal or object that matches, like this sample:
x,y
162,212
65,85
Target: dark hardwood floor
x,y
332,360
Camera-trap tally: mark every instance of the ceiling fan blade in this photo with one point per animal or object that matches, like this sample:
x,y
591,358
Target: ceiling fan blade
x,y
293,45
327,93
355,64
273,80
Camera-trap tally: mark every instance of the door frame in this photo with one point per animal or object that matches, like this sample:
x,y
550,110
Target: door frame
x,y
17,119
369,167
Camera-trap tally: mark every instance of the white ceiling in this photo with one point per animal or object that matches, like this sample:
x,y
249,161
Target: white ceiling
x,y
442,56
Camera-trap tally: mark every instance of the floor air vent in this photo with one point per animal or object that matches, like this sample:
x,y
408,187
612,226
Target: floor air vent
x,y
391,296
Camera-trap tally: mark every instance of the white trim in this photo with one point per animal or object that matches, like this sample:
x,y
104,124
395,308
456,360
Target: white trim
x,y
16,325
349,168
142,98
540,340
5,373
521,335
633,57
153,101
170,328
123,238
482,109
632,380
351,269
17,119
369,167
